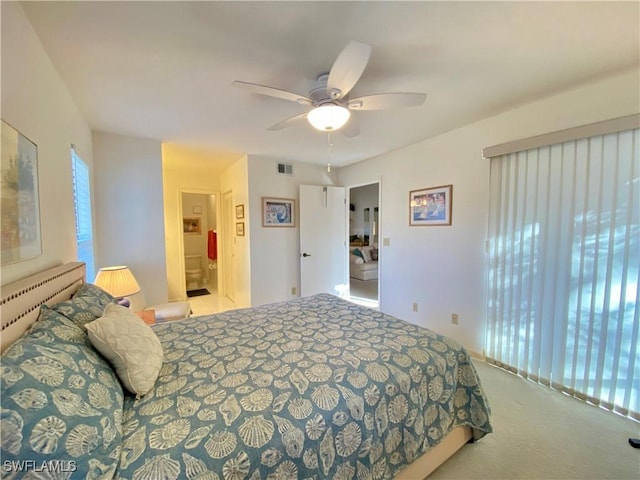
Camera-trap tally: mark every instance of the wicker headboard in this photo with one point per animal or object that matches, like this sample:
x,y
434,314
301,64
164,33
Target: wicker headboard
x,y
22,299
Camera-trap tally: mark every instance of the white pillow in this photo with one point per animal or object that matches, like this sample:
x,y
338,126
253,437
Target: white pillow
x,y
130,345
366,253
355,259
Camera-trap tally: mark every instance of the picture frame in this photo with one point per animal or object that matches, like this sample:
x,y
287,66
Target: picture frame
x,y
240,211
240,229
278,212
20,201
196,209
431,206
192,225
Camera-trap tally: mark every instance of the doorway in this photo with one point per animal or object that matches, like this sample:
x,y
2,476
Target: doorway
x,y
202,268
228,246
364,224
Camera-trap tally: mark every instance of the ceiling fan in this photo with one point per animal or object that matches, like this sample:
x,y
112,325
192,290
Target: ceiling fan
x,y
330,96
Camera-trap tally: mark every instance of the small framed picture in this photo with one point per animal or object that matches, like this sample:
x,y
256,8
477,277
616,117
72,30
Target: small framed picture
x,y
278,212
431,206
191,225
240,229
196,209
240,211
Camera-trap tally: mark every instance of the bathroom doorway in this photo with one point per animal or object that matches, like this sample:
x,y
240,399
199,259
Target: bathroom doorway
x,y
364,225
200,243
201,251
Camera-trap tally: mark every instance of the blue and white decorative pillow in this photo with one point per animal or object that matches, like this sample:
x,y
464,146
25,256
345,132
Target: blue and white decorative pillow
x,y
87,304
61,404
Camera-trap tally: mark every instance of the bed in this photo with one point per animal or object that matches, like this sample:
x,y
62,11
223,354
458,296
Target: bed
x,y
316,387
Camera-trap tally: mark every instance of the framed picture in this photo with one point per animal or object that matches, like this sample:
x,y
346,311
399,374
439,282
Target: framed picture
x,y
192,225
278,212
240,211
196,209
20,203
430,206
240,229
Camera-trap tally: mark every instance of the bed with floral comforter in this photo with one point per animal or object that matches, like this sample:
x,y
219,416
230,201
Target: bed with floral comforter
x,y
316,387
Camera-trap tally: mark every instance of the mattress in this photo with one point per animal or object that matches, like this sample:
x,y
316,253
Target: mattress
x,y
316,387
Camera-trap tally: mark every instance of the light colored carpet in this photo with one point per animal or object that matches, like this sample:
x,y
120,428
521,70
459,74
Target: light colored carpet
x,y
364,288
542,434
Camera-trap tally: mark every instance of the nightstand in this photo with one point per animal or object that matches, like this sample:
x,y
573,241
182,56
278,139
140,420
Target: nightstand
x,y
148,316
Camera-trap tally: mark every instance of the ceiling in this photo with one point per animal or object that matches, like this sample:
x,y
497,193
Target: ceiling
x,y
164,70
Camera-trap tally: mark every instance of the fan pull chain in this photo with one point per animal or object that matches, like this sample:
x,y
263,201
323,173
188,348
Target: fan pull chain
x,y
330,145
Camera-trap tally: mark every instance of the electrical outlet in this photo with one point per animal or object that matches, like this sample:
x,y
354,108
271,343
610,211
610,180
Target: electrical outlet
x,y
415,306
294,290
454,318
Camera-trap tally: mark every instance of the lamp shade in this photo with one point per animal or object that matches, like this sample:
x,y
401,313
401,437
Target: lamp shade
x,y
328,117
118,281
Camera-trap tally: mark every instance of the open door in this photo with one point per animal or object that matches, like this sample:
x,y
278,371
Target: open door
x,y
323,257
228,247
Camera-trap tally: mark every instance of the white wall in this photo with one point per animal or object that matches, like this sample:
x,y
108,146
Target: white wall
x,y
129,211
36,102
275,252
443,269
195,243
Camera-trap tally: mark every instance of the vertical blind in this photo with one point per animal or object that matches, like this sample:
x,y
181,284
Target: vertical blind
x,y
84,226
564,258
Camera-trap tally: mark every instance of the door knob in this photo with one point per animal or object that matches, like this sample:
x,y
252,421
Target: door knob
x,y
306,254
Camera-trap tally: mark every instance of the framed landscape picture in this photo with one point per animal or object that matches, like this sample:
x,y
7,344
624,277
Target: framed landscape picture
x,y
278,212
431,206
20,203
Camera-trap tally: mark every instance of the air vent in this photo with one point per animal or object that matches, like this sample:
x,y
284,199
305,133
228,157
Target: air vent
x,y
285,169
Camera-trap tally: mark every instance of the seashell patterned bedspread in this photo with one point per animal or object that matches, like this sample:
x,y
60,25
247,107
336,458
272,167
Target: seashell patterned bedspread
x,y
316,387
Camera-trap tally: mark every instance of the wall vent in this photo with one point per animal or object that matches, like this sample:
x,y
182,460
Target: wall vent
x,y
284,169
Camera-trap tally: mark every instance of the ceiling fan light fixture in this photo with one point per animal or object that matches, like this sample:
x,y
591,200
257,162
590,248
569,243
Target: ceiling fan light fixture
x,y
328,117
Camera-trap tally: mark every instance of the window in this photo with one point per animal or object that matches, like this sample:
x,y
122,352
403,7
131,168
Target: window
x,y
564,266
84,226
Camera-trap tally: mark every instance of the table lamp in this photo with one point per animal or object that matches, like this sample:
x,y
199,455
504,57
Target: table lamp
x,y
119,282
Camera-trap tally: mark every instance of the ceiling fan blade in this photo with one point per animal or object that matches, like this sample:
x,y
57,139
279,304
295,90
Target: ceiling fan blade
x,y
273,92
288,122
385,101
348,68
351,129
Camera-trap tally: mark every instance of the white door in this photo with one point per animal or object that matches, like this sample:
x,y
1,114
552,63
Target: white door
x,y
228,247
323,258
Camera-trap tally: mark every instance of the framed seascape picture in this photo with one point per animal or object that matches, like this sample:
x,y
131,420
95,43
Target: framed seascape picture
x,y
431,206
278,212
240,211
20,204
191,225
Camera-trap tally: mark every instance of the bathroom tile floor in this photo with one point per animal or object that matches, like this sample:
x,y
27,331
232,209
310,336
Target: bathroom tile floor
x,y
208,304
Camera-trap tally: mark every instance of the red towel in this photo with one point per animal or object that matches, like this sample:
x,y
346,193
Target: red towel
x,y
212,245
